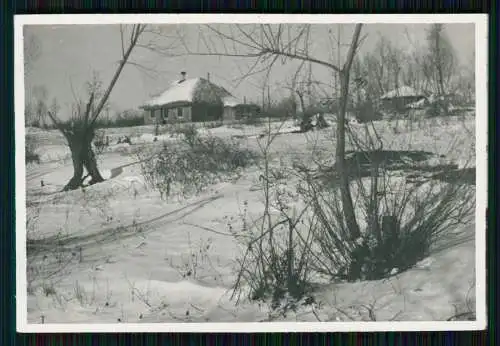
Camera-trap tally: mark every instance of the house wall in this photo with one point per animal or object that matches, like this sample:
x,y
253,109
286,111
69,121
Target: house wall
x,y
178,114
167,115
203,112
149,117
229,114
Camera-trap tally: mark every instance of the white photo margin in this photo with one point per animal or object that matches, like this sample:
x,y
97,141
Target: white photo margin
x,y
481,46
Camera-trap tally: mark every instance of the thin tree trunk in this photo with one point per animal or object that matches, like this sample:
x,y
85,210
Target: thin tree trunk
x,y
439,66
290,259
347,204
301,100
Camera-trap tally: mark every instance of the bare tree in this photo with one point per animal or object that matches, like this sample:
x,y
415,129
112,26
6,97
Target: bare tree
x,y
384,67
395,62
35,106
297,89
463,83
28,112
440,63
40,95
79,131
411,73
55,107
377,67
32,51
268,44
35,100
415,71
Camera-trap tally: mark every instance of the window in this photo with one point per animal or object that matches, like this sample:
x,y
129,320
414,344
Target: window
x,y
152,113
179,112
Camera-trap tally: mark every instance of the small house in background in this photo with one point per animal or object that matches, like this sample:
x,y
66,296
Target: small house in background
x,y
403,98
192,100
247,110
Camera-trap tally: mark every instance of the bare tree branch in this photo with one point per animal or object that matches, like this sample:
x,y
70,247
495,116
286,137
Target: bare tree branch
x,y
122,42
300,57
137,30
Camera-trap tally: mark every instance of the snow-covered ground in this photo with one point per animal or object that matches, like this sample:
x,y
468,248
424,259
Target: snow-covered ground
x,y
116,252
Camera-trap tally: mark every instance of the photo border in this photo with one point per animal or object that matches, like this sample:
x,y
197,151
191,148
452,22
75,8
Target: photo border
x,y
481,84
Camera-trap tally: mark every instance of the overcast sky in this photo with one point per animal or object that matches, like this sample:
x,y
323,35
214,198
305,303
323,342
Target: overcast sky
x,y
70,53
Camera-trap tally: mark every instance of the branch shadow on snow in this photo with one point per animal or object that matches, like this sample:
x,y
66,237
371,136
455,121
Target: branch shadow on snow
x,y
119,170
415,163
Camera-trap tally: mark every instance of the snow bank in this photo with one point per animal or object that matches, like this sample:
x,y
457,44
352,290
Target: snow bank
x,y
53,153
131,277
150,138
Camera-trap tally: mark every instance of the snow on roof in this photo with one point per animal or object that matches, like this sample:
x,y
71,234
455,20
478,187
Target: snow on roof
x,y
184,91
403,91
179,91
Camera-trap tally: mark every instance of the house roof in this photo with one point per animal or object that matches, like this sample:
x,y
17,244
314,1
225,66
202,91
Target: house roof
x,y
185,91
230,101
403,91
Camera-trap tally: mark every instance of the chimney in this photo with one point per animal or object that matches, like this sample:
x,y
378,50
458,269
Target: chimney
x,y
208,76
183,76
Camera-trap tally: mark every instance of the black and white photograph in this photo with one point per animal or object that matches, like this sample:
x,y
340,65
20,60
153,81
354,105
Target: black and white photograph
x,y
250,173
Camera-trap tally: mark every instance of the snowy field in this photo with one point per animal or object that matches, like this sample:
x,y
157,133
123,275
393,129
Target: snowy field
x,y
117,252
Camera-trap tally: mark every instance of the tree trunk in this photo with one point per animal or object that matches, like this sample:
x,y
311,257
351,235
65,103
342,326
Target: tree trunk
x,y
76,181
347,204
90,164
82,156
396,79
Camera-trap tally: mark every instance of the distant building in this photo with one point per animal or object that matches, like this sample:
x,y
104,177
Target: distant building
x,y
403,98
193,100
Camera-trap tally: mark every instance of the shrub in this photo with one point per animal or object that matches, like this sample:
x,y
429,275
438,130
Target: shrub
x,y
101,141
302,234
190,134
197,263
276,263
401,222
124,140
193,166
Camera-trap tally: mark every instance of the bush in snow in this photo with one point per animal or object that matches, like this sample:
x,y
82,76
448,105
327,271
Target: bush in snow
x,y
275,266
302,235
124,140
190,134
401,222
101,141
190,168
